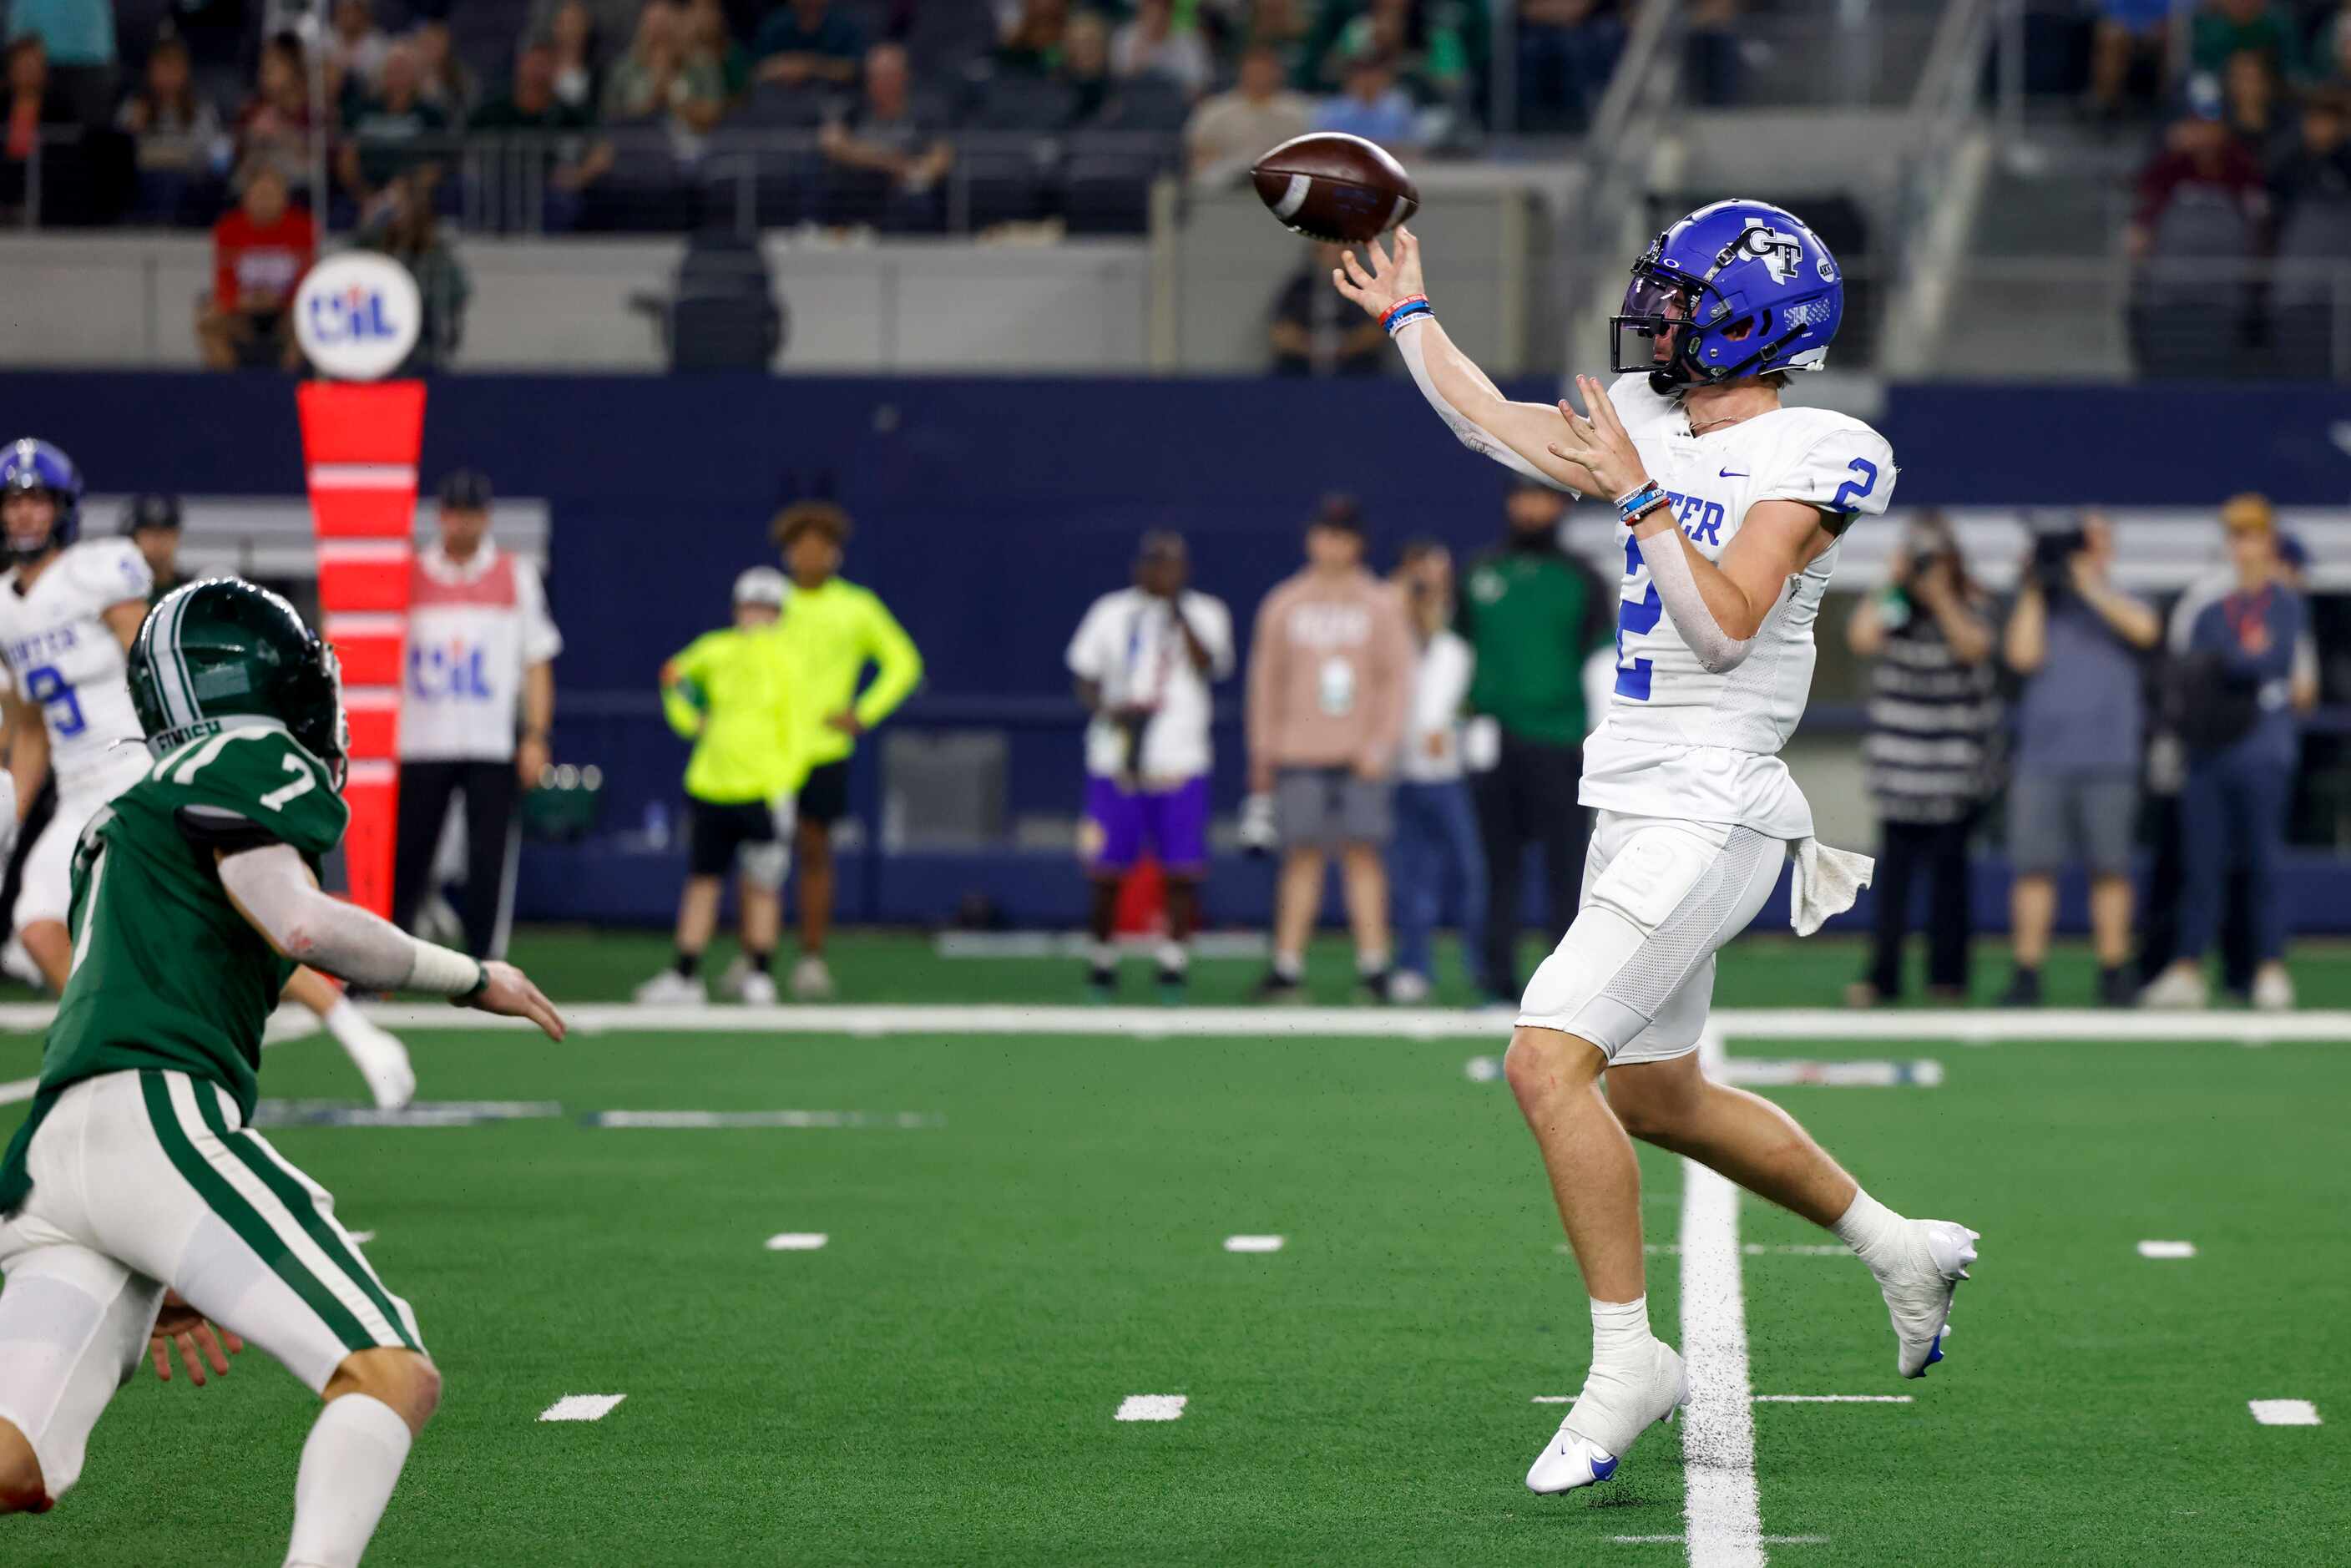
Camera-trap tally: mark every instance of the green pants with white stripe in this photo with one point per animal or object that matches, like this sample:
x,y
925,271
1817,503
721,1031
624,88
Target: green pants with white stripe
x,y
144,1182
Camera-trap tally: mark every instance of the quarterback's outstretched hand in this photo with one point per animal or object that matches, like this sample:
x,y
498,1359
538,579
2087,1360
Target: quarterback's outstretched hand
x,y
1598,443
181,1324
510,993
1389,279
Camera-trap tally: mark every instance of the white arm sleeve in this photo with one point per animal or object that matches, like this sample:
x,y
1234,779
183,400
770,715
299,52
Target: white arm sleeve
x,y
1467,431
272,887
1676,588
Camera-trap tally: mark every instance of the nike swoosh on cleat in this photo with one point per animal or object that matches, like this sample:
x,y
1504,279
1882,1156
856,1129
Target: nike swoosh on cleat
x,y
1727,474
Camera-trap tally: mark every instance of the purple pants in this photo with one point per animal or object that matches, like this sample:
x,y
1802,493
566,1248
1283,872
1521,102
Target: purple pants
x,y
1173,822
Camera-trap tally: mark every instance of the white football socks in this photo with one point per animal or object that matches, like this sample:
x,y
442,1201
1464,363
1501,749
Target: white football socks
x,y
350,1464
1620,1330
1873,1230
347,1024
1174,956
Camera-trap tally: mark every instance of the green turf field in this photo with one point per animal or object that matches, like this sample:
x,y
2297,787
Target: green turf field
x,y
938,1384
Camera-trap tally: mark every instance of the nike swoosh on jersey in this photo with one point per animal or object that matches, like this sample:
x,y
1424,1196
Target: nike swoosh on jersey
x,y
1727,474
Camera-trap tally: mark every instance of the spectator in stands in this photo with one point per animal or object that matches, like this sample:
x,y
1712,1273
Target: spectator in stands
x,y
731,692
275,121
77,42
178,133
2224,28
355,48
1310,335
32,106
888,158
1330,683
1232,129
1934,715
261,248
1372,106
1151,44
1143,658
1283,25
2199,157
1711,63
151,523
2237,677
835,629
571,33
2255,111
1085,64
708,33
567,161
1567,51
603,24
393,134
2317,167
1032,39
409,231
1435,852
1439,47
475,712
2077,642
813,44
448,82
661,77
2129,37
1535,616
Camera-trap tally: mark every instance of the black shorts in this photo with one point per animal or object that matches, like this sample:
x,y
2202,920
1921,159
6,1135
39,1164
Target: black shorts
x,y
717,833
824,794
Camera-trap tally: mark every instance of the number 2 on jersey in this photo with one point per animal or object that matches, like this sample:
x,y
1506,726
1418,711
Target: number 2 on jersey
x,y
1635,616
1854,489
47,685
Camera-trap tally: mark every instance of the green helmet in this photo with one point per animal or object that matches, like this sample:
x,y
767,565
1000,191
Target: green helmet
x,y
222,650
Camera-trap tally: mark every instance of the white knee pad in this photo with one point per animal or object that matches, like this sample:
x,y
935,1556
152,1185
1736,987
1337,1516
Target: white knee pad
x,y
766,865
1634,895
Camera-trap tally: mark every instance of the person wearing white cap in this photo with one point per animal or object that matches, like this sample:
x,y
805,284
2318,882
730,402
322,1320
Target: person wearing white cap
x,y
730,692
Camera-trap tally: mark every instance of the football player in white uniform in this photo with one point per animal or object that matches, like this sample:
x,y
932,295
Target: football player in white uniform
x,y
68,614
1731,508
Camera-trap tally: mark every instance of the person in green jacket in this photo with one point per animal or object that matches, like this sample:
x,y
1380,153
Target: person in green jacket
x,y
733,693
1533,614
834,629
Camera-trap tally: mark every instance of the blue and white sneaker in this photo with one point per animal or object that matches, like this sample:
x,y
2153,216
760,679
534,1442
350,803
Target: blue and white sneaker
x,y
1918,1289
1614,1408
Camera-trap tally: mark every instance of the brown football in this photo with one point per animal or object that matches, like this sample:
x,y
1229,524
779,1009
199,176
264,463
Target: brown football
x,y
1330,185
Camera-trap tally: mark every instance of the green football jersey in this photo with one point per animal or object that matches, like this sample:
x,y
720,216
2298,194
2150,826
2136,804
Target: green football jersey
x,y
166,973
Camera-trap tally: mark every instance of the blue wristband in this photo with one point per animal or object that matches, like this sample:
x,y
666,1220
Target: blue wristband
x,y
1631,506
1405,310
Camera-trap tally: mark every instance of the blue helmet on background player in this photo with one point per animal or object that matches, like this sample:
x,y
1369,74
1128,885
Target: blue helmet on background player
x,y
28,465
1736,288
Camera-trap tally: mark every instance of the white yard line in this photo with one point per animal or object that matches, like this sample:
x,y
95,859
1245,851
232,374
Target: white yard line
x,y
2166,1249
2283,1412
1273,1025
1151,1406
583,1408
1253,1243
1832,1399
798,1241
1722,1510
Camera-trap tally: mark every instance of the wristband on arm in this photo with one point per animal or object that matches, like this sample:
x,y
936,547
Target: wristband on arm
x,y
1409,308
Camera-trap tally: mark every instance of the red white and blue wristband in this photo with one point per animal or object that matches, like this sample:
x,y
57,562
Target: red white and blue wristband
x,y
1410,308
1634,505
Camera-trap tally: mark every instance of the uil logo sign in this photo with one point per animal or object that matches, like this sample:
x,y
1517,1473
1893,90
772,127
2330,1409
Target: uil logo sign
x,y
1779,251
358,316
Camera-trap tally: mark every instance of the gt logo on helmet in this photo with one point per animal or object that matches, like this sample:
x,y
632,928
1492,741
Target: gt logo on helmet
x,y
1780,253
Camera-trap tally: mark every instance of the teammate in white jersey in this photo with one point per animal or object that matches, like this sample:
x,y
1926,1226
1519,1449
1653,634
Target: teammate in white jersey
x,y
1731,508
69,614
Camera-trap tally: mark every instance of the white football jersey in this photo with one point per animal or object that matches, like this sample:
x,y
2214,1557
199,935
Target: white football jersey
x,y
63,659
1678,740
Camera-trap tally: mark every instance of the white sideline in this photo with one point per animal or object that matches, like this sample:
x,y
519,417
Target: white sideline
x,y
583,1408
1722,1510
1986,1027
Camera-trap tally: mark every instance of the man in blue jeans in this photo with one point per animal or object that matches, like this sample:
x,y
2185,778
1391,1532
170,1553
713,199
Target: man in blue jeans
x,y
2242,745
1435,848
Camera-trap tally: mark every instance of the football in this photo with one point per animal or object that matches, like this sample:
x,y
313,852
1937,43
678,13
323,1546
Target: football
x,y
1329,185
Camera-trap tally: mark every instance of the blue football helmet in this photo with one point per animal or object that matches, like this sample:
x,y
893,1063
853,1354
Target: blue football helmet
x,y
27,465
1736,288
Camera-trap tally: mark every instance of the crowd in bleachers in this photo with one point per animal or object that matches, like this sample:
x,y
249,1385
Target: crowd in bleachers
x,y
2251,162
659,114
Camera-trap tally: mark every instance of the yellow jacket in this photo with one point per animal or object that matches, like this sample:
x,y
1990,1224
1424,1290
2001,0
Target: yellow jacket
x,y
735,695
832,631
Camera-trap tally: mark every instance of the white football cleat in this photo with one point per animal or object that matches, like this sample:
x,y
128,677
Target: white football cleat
x,y
811,981
1612,1412
756,989
1919,1291
380,1058
2178,986
671,990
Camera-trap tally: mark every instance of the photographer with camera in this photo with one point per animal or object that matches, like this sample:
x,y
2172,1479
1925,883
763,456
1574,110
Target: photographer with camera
x,y
2077,643
1934,715
2231,696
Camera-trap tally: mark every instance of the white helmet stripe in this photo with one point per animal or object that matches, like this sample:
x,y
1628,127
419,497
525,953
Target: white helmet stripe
x,y
171,670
